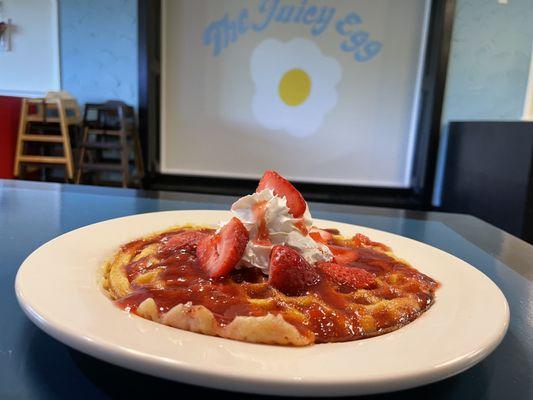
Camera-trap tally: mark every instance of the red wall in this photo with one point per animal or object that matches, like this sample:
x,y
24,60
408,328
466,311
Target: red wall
x,y
9,121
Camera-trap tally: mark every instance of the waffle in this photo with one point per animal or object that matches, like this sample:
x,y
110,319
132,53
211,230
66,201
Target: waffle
x,y
171,289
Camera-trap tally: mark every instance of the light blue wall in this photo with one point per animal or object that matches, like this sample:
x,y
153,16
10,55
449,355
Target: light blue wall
x,y
489,65
98,41
490,53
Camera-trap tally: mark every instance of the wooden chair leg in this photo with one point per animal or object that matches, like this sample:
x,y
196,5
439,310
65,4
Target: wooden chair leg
x,y
81,159
21,132
139,165
66,140
125,158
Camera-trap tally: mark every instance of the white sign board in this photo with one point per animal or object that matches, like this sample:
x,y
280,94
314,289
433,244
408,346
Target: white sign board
x,y
322,91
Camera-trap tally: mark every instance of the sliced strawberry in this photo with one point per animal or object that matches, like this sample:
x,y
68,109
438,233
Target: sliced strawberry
x,y
300,225
290,273
219,253
343,255
354,278
283,188
183,241
360,240
320,235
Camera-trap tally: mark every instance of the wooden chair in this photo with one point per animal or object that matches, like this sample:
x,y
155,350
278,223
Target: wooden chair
x,y
108,127
57,112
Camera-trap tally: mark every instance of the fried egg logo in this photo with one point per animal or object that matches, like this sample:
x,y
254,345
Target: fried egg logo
x,y
295,85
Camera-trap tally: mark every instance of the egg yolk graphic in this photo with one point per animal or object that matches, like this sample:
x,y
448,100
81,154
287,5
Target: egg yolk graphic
x,y
294,87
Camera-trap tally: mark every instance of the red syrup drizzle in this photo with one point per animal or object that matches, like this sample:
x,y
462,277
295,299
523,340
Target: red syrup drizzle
x,y
259,211
181,280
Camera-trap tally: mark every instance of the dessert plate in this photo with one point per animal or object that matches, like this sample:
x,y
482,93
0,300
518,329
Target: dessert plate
x,y
58,288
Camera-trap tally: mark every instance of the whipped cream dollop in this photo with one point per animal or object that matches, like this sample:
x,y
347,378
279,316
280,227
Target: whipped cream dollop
x,y
269,223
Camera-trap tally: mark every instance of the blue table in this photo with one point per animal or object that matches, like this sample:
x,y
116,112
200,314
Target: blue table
x,y
33,365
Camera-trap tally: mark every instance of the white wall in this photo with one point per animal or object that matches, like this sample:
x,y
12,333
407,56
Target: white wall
x,y
32,65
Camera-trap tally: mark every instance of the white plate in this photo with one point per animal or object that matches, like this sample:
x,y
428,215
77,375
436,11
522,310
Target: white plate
x,y
57,286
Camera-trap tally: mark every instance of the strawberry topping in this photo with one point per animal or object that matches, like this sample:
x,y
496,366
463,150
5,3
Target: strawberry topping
x,y
343,255
354,278
360,240
290,273
320,235
219,253
283,188
186,241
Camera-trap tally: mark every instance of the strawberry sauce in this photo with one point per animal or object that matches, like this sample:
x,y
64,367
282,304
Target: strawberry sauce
x,y
329,312
259,211
300,225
